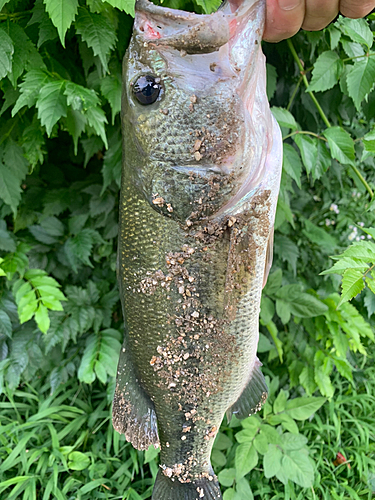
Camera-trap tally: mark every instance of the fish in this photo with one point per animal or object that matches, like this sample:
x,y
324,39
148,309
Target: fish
x,y
202,160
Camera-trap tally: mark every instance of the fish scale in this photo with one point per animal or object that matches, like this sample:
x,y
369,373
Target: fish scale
x,y
201,174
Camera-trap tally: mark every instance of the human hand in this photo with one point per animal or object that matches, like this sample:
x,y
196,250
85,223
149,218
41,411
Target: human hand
x,y
285,17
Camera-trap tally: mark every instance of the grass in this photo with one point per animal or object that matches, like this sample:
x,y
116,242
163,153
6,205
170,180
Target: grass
x,y
63,446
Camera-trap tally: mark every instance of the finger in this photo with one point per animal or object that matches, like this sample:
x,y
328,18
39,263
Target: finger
x,y
283,19
319,13
356,8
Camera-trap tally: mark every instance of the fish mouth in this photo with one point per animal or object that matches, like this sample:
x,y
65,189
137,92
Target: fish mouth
x,y
187,31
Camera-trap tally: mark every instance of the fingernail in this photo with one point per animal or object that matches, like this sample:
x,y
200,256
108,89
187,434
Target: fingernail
x,y
289,4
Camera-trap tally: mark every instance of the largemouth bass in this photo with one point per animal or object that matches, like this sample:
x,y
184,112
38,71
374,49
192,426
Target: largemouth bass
x,y
200,181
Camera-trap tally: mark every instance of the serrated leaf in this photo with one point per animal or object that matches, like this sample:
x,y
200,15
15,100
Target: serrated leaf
x,y
62,14
364,250
344,368
346,263
271,80
6,54
284,118
125,5
309,151
352,285
209,6
341,145
42,318
11,176
97,32
321,374
292,163
358,30
361,80
32,83
111,87
369,141
5,324
52,104
25,54
326,73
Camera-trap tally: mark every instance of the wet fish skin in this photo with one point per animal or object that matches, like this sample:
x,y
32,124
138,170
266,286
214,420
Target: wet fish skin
x,y
194,232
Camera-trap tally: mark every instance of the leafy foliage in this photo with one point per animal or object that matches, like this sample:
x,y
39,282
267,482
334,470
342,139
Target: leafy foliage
x,y
60,317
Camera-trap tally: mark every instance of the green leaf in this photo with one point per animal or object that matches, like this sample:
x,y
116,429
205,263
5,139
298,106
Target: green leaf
x,y
42,319
344,368
246,459
307,306
97,32
284,118
280,402
326,73
369,141
272,461
267,309
309,151
62,14
78,461
323,161
347,263
298,468
361,80
226,477
51,104
5,324
273,282
341,145
25,54
261,443
364,250
111,87
243,490
352,285
126,5
323,368
33,82
292,164
13,170
271,80
304,408
291,442
358,30
209,6
6,54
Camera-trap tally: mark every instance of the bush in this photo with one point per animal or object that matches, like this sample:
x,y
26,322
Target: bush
x,y
60,318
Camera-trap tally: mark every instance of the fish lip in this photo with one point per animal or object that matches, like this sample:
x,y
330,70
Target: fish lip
x,y
186,31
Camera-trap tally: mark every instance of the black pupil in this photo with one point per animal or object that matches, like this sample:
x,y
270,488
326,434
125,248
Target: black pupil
x,y
146,89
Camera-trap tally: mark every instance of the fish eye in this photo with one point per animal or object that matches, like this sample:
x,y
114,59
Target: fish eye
x,y
146,89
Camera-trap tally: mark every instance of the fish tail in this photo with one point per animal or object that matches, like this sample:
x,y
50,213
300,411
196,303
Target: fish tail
x,y
202,489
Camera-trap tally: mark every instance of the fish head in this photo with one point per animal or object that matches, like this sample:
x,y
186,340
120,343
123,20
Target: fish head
x,y
197,126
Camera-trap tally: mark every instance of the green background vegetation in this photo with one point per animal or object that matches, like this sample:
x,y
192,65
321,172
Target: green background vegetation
x,y
60,317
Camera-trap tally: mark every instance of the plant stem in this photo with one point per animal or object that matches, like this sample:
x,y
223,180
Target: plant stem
x,y
294,94
321,112
305,81
306,132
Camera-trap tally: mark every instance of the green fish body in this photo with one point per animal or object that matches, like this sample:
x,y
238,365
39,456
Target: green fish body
x,y
201,174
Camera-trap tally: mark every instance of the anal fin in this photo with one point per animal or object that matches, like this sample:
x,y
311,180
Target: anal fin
x,y
253,396
133,412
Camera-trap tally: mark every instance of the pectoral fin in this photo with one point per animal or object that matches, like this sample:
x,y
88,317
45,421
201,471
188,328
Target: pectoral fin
x,y
252,397
133,412
269,257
